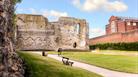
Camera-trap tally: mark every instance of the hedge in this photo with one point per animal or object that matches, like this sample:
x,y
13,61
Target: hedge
x,y
116,46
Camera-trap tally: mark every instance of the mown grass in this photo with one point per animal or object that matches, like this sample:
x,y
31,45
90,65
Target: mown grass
x,y
39,66
135,52
116,52
123,63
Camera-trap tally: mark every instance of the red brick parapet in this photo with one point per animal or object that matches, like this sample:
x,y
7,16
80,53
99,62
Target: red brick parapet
x,y
131,36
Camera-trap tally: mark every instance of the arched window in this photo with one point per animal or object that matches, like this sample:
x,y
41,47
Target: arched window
x,y
77,28
75,45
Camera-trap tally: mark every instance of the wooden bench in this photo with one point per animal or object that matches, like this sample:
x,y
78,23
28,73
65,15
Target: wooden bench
x,y
66,61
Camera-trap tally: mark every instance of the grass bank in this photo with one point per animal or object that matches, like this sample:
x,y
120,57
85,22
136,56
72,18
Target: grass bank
x,y
39,66
124,63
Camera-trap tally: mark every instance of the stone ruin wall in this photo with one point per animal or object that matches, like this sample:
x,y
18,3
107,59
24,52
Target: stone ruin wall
x,y
73,31
34,32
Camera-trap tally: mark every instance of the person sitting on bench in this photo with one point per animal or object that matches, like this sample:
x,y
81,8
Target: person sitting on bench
x,y
66,61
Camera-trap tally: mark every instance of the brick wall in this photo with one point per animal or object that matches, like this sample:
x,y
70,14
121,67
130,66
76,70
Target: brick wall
x,y
131,36
121,26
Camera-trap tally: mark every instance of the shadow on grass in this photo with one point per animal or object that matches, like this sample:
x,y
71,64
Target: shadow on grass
x,y
38,66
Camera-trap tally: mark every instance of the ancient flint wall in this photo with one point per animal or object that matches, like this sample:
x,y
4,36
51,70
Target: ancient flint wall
x,y
34,32
74,33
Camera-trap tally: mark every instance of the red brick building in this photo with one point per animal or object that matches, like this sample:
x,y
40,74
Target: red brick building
x,y
121,24
119,29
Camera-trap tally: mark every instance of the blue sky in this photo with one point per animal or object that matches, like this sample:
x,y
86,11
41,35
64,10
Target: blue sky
x,y
96,12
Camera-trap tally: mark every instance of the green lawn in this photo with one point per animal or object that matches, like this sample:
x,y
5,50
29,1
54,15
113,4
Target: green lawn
x,y
39,66
120,52
124,63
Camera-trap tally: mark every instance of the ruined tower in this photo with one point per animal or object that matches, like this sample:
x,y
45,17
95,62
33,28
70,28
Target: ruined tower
x,y
34,32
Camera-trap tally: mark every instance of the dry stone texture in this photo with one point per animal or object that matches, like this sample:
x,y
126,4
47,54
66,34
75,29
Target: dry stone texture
x,y
34,32
11,65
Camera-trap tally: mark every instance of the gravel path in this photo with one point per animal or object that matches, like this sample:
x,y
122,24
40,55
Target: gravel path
x,y
91,68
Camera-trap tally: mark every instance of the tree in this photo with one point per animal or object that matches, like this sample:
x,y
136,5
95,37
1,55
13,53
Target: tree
x,y
10,60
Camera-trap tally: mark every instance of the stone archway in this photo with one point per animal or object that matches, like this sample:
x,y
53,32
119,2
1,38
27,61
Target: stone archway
x,y
74,45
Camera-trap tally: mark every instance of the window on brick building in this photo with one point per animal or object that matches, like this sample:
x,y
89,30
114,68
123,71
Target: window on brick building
x,y
128,23
113,26
134,24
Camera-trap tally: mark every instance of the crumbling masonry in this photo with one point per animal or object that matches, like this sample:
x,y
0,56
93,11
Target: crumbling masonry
x,y
11,65
34,32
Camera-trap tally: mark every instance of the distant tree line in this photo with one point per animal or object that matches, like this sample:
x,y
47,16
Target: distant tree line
x,y
116,46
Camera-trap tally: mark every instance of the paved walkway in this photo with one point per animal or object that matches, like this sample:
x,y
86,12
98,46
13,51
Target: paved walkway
x,y
91,68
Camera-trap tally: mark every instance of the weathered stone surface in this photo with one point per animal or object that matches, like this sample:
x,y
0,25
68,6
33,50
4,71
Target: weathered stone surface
x,y
15,66
10,62
34,32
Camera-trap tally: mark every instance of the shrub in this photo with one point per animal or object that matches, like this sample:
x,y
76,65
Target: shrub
x,y
116,46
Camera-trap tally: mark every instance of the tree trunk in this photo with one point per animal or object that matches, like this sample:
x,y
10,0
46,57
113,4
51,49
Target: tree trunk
x,y
11,65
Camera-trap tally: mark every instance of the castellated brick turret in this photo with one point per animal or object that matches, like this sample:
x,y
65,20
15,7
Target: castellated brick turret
x,y
119,29
121,24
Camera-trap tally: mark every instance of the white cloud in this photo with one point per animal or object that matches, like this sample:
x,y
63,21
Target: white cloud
x,y
53,15
93,5
95,32
32,10
77,3
28,10
116,6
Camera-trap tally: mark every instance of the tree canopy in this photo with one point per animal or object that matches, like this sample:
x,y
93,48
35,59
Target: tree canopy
x,y
17,1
